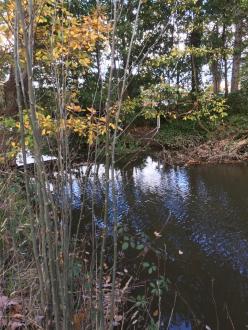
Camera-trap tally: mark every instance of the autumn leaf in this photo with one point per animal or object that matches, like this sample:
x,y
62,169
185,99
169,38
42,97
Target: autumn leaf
x,y
157,234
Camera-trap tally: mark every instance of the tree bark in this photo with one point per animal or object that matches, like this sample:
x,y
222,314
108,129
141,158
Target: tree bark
x,y
195,43
215,66
8,96
225,60
237,56
8,103
216,72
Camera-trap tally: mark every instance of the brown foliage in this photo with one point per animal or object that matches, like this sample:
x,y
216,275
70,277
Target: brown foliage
x,y
12,315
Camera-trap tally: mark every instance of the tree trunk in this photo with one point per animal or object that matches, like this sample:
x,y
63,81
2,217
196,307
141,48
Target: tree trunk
x,y
237,56
216,72
195,42
226,75
8,103
215,66
225,59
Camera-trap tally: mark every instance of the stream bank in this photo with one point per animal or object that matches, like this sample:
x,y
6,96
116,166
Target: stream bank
x,y
185,144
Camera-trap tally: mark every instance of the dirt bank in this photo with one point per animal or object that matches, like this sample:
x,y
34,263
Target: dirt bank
x,y
218,148
222,151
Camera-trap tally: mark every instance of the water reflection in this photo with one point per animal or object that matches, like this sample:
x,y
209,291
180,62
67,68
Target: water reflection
x,y
179,324
209,207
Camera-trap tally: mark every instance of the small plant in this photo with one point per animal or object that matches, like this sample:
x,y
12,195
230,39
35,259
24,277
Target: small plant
x,y
159,286
159,100
141,301
150,267
210,107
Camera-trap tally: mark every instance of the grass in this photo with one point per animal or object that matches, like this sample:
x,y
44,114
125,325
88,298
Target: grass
x,y
13,215
238,122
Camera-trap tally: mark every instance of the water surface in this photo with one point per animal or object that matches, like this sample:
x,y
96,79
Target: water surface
x,y
206,235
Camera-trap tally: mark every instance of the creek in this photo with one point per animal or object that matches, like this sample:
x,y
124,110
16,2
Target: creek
x,y
200,214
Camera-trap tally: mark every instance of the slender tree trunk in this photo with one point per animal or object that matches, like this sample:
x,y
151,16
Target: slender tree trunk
x,y
195,80
101,320
226,77
225,59
43,198
237,56
113,146
18,79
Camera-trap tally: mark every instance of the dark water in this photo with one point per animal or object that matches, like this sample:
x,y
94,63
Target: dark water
x,y
206,236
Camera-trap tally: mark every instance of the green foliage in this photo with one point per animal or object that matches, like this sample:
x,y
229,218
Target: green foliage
x,y
129,241
209,107
141,301
150,267
239,121
169,102
178,133
125,246
131,108
236,125
127,145
159,99
156,100
159,286
238,102
8,122
153,325
75,270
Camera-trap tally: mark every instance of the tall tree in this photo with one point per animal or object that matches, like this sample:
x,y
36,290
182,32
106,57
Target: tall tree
x,y
195,40
236,63
215,64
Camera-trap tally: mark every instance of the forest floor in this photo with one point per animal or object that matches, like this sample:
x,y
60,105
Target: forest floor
x,y
185,143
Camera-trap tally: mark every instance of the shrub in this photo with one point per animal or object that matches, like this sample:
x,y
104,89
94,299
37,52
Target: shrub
x,y
238,102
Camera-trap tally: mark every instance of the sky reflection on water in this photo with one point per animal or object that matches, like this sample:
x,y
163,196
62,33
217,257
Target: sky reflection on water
x,y
209,223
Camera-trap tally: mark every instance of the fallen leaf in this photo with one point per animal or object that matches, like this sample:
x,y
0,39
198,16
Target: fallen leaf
x,y
118,318
77,319
13,307
155,313
17,322
16,325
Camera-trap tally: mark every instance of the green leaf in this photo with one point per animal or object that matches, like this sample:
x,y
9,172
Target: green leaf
x,y
132,244
140,247
125,246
